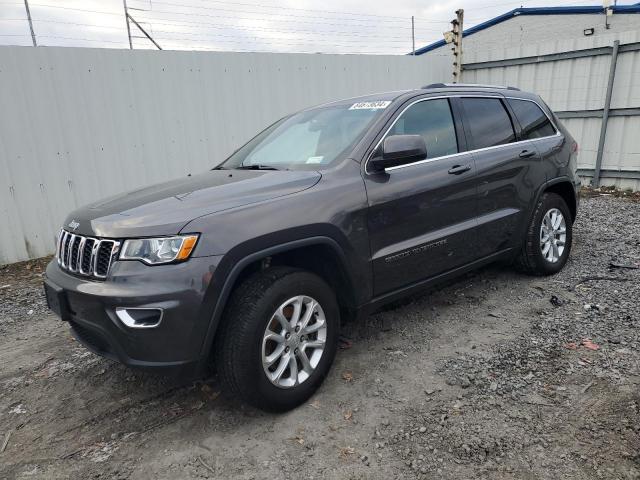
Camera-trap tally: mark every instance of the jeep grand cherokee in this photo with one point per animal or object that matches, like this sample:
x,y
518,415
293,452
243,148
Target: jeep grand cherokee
x,y
324,216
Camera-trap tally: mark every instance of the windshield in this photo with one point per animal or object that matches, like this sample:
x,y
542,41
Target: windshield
x,y
307,140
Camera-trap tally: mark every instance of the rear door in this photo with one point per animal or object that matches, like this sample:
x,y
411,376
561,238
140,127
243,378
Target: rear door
x,y
422,215
538,127
507,171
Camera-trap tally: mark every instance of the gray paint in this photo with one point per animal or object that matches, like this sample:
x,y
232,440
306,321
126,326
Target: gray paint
x,y
392,232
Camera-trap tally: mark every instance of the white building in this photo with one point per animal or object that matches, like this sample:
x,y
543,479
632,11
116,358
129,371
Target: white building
x,y
527,26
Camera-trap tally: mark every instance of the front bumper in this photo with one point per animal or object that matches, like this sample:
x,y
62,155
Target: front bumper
x,y
175,345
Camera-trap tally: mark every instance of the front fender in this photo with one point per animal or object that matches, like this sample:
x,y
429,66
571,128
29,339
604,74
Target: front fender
x,y
233,263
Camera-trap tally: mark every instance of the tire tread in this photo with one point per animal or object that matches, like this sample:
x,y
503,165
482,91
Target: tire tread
x,y
241,307
527,260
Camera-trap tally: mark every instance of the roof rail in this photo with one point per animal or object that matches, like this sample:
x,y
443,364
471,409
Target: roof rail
x,y
472,85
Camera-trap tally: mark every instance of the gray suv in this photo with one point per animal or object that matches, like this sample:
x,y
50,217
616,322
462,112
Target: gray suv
x,y
323,217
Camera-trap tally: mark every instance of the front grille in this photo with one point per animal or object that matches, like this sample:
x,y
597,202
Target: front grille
x,y
91,257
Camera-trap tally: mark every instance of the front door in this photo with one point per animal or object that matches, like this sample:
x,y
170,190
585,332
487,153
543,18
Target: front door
x,y
422,216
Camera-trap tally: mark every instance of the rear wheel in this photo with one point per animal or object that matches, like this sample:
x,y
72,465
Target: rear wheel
x,y
279,338
549,237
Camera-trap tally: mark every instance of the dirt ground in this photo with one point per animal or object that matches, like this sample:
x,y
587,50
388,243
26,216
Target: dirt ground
x,y
496,375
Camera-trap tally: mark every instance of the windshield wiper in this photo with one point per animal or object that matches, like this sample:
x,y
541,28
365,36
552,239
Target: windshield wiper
x,y
256,166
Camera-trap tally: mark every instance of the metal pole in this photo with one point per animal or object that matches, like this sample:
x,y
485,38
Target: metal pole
x,y
413,36
33,34
605,114
456,31
460,19
144,31
126,17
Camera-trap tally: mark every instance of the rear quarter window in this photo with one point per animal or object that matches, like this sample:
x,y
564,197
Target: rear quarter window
x,y
534,122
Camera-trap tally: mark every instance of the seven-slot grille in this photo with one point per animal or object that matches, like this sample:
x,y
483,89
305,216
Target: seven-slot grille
x,y
87,256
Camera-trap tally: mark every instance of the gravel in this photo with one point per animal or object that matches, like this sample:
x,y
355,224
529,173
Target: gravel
x,y
524,394
21,292
495,375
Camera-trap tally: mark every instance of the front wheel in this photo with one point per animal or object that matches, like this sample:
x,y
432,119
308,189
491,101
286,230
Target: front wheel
x,y
549,237
279,338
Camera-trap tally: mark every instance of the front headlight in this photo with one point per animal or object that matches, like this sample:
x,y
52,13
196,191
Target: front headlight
x,y
155,251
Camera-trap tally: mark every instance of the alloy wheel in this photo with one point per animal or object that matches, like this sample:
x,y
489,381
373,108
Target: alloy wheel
x,y
294,341
553,235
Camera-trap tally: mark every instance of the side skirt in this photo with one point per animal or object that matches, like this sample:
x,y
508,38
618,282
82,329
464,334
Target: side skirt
x,y
425,284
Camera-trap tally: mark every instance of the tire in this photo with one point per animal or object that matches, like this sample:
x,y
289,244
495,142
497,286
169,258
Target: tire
x,y
532,259
240,346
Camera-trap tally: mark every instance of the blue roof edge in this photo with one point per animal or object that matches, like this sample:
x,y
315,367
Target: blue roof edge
x,y
635,8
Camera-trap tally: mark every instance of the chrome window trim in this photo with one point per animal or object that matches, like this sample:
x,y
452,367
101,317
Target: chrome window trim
x,y
457,95
426,160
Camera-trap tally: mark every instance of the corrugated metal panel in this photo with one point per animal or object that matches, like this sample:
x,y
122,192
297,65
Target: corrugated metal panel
x,y
578,84
80,124
553,21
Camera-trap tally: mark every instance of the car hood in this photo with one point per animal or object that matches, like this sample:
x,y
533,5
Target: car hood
x,y
164,209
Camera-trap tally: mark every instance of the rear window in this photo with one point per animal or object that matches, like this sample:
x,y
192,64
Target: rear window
x,y
534,122
489,122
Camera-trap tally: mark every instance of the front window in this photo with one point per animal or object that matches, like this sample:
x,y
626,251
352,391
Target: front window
x,y
309,139
433,121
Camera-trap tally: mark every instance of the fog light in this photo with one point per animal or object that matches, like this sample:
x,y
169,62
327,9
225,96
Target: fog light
x,y
140,317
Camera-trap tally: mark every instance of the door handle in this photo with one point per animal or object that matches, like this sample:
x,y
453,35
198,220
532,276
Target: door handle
x,y
527,153
458,169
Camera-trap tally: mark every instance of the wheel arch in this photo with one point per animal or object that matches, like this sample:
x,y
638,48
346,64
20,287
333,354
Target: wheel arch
x,y
319,254
564,188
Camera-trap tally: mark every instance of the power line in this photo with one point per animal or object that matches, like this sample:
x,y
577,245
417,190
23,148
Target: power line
x,y
302,10
92,25
379,18
78,38
359,25
244,41
214,36
185,23
75,9
356,31
235,18
382,37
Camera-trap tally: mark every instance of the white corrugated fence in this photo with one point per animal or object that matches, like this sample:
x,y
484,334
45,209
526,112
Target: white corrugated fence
x,y
79,124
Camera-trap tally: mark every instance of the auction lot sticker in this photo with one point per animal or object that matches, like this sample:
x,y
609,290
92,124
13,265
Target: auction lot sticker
x,y
370,105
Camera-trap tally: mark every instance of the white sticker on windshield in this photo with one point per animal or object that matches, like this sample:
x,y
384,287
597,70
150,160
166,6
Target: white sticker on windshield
x,y
370,105
315,159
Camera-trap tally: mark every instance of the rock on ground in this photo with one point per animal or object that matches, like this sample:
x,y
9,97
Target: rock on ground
x,y
495,375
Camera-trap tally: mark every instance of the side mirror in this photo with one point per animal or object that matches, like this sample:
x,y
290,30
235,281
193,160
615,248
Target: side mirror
x,y
399,150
